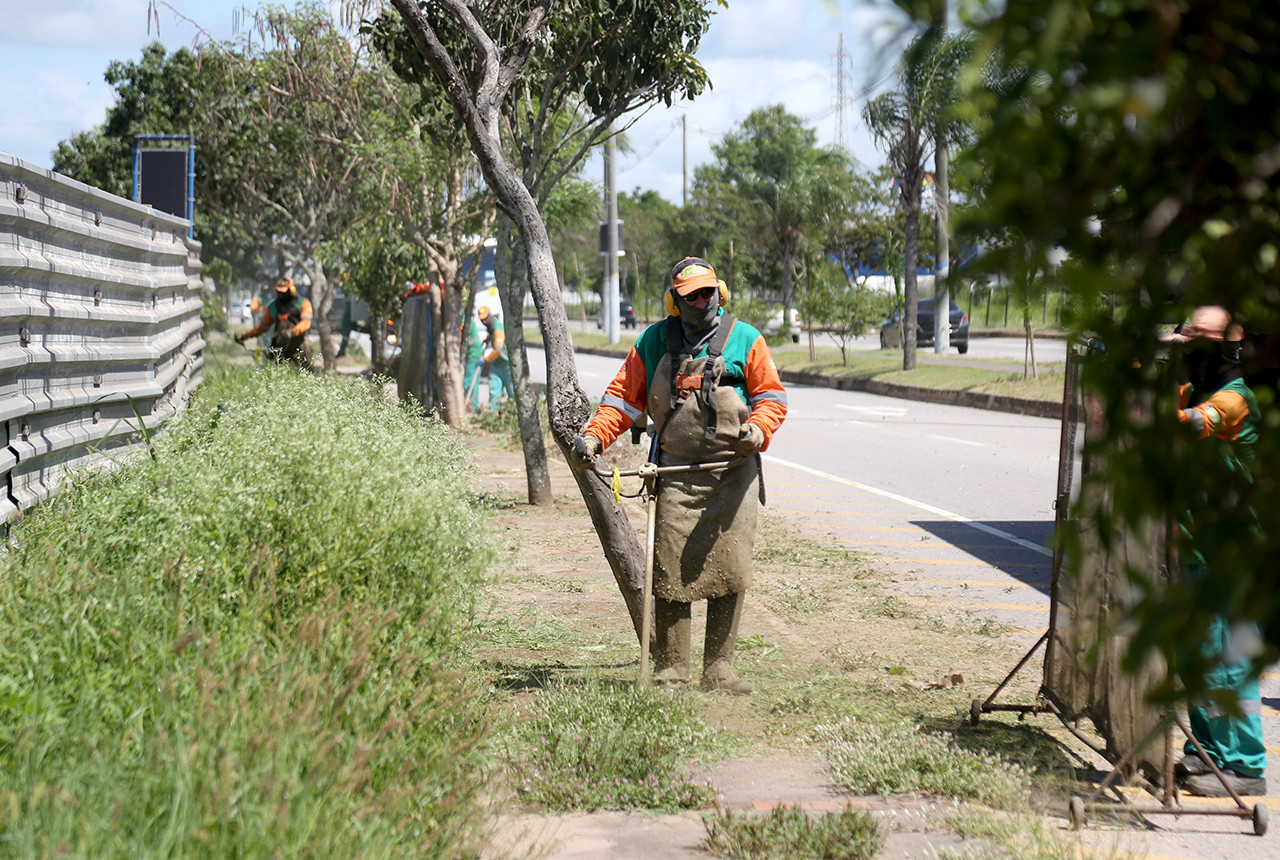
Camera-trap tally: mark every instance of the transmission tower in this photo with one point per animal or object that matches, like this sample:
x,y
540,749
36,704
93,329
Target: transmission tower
x,y
842,98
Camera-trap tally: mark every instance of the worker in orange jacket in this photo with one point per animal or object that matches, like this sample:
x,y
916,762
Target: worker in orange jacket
x,y
710,386
288,317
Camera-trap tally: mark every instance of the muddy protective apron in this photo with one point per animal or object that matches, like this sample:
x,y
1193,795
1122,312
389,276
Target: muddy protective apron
x,y
706,521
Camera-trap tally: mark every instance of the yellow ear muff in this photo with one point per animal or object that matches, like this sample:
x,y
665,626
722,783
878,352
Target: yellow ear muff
x,y
669,303
724,293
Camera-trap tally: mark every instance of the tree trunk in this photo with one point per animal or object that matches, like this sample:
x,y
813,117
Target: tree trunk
x,y
1031,347
911,258
321,305
511,272
567,406
447,348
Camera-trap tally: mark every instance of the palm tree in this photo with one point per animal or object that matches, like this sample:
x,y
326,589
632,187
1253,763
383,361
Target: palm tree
x,y
905,121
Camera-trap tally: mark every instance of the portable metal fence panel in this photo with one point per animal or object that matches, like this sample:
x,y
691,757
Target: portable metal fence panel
x,y
100,330
416,377
1090,590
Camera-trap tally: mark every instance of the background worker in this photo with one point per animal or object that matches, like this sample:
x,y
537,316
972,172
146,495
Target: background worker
x,y
1217,408
474,337
710,386
291,318
493,357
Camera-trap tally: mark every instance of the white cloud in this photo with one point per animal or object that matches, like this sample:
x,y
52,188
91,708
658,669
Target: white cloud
x,y
120,25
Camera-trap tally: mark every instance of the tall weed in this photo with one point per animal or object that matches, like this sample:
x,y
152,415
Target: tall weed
x,y
595,746
243,647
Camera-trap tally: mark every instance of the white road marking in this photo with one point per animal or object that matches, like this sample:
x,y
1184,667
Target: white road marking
x,y
960,441
949,515
882,411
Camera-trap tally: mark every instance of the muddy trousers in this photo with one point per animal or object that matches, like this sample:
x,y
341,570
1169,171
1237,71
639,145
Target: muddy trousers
x,y
671,657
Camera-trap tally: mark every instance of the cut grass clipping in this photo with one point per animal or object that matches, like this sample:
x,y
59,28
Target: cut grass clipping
x,y
899,758
850,834
595,746
242,648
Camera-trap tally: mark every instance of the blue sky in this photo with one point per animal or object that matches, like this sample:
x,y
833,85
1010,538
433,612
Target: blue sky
x,y
758,53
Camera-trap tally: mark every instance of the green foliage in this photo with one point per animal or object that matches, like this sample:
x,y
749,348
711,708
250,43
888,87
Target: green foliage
x,y
213,316
899,758
1140,138
771,185
846,311
787,832
161,93
595,746
241,648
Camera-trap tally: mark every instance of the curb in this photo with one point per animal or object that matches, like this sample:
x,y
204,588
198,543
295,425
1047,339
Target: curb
x,y
972,399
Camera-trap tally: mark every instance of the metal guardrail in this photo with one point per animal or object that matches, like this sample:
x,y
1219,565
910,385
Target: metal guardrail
x,y
99,324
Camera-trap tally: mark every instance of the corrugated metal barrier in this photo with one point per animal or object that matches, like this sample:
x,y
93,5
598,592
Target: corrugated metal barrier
x,y
99,327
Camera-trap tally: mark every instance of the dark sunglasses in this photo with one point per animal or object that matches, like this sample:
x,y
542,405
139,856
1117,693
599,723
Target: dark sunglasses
x,y
702,294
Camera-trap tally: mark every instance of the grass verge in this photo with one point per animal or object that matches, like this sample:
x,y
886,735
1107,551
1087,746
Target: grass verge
x,y
248,646
609,746
788,832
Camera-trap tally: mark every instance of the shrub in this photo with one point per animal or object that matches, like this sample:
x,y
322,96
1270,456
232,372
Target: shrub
x,y
242,648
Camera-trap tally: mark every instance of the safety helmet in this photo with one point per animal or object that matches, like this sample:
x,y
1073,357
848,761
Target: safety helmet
x,y
483,312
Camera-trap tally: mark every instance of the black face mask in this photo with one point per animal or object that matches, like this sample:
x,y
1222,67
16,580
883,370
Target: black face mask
x,y
284,301
1210,364
698,319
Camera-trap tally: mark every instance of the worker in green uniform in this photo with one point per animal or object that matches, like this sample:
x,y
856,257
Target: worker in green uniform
x,y
493,357
1216,407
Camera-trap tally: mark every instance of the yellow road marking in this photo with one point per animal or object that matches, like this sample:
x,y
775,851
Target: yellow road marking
x,y
979,582
1014,607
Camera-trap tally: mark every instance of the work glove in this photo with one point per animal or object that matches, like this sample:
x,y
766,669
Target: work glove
x,y
750,440
585,450
240,338
480,364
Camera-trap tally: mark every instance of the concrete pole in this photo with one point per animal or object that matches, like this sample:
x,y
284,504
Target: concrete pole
x,y
611,249
942,206
684,160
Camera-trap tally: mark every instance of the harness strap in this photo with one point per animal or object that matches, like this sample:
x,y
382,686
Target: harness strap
x,y
710,377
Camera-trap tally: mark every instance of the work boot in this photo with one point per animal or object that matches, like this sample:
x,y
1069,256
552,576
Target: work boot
x,y
1208,784
719,677
1191,764
670,642
723,615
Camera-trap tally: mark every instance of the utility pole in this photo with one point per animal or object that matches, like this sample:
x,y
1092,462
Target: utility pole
x,y
942,205
841,97
611,241
684,162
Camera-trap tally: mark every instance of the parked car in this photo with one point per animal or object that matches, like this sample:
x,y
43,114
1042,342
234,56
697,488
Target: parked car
x,y
891,328
773,325
626,315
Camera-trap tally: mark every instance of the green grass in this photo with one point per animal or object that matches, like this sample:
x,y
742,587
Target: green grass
x,y
790,833
246,647
899,758
593,745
